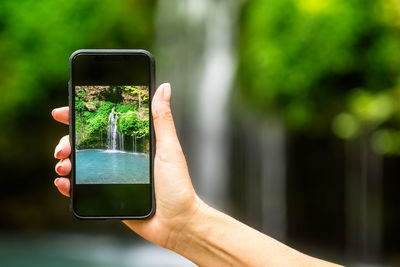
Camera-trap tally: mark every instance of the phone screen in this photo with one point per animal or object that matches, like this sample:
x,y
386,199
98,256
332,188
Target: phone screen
x,y
111,132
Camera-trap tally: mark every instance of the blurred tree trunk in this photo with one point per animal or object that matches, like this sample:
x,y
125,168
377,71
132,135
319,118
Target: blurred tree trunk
x,y
258,167
273,173
363,201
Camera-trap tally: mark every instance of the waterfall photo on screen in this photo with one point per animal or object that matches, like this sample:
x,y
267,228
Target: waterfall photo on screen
x,y
112,134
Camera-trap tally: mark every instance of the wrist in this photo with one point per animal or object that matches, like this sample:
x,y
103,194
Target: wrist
x,y
206,238
178,233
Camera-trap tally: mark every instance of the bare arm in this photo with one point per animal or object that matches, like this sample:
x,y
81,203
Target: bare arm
x,y
182,222
212,238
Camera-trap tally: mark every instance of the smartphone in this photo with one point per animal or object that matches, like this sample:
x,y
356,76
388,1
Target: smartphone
x,y
111,134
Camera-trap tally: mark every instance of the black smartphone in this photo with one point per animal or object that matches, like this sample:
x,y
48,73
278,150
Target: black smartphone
x,y
111,134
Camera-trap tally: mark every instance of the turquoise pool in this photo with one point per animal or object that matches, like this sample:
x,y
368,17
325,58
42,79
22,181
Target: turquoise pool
x,y
100,166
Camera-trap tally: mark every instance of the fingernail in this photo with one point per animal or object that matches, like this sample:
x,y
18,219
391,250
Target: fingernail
x,y
54,110
57,151
167,91
58,167
56,181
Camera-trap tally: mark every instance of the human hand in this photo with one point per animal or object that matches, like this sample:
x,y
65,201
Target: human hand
x,y
176,200
182,222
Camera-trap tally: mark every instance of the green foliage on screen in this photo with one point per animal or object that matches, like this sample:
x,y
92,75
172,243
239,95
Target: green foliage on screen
x,y
133,121
92,111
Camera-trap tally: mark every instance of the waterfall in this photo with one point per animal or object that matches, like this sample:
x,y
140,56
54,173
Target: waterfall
x,y
112,133
202,80
205,30
214,90
121,141
134,143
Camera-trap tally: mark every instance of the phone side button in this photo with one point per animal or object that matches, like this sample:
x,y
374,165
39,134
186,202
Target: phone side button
x,y
69,94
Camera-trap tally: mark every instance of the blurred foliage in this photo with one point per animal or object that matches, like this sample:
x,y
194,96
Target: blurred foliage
x,y
36,40
37,37
371,112
301,58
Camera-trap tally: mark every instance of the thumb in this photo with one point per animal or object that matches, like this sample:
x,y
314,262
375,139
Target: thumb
x,y
162,116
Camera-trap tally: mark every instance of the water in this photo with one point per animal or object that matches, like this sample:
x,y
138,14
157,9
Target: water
x,y
115,139
214,90
98,166
82,250
202,79
121,141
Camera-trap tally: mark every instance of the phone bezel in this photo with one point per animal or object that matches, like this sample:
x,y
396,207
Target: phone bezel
x,y
105,52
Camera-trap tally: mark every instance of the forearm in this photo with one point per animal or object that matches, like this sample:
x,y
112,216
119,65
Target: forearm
x,y
212,238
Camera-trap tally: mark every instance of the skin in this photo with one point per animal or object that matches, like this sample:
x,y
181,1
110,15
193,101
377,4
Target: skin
x,y
183,222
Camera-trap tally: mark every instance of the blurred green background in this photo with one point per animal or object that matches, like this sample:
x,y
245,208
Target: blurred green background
x,y
288,112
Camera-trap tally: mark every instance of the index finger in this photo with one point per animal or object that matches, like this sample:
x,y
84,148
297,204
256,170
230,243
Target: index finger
x,y
61,114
